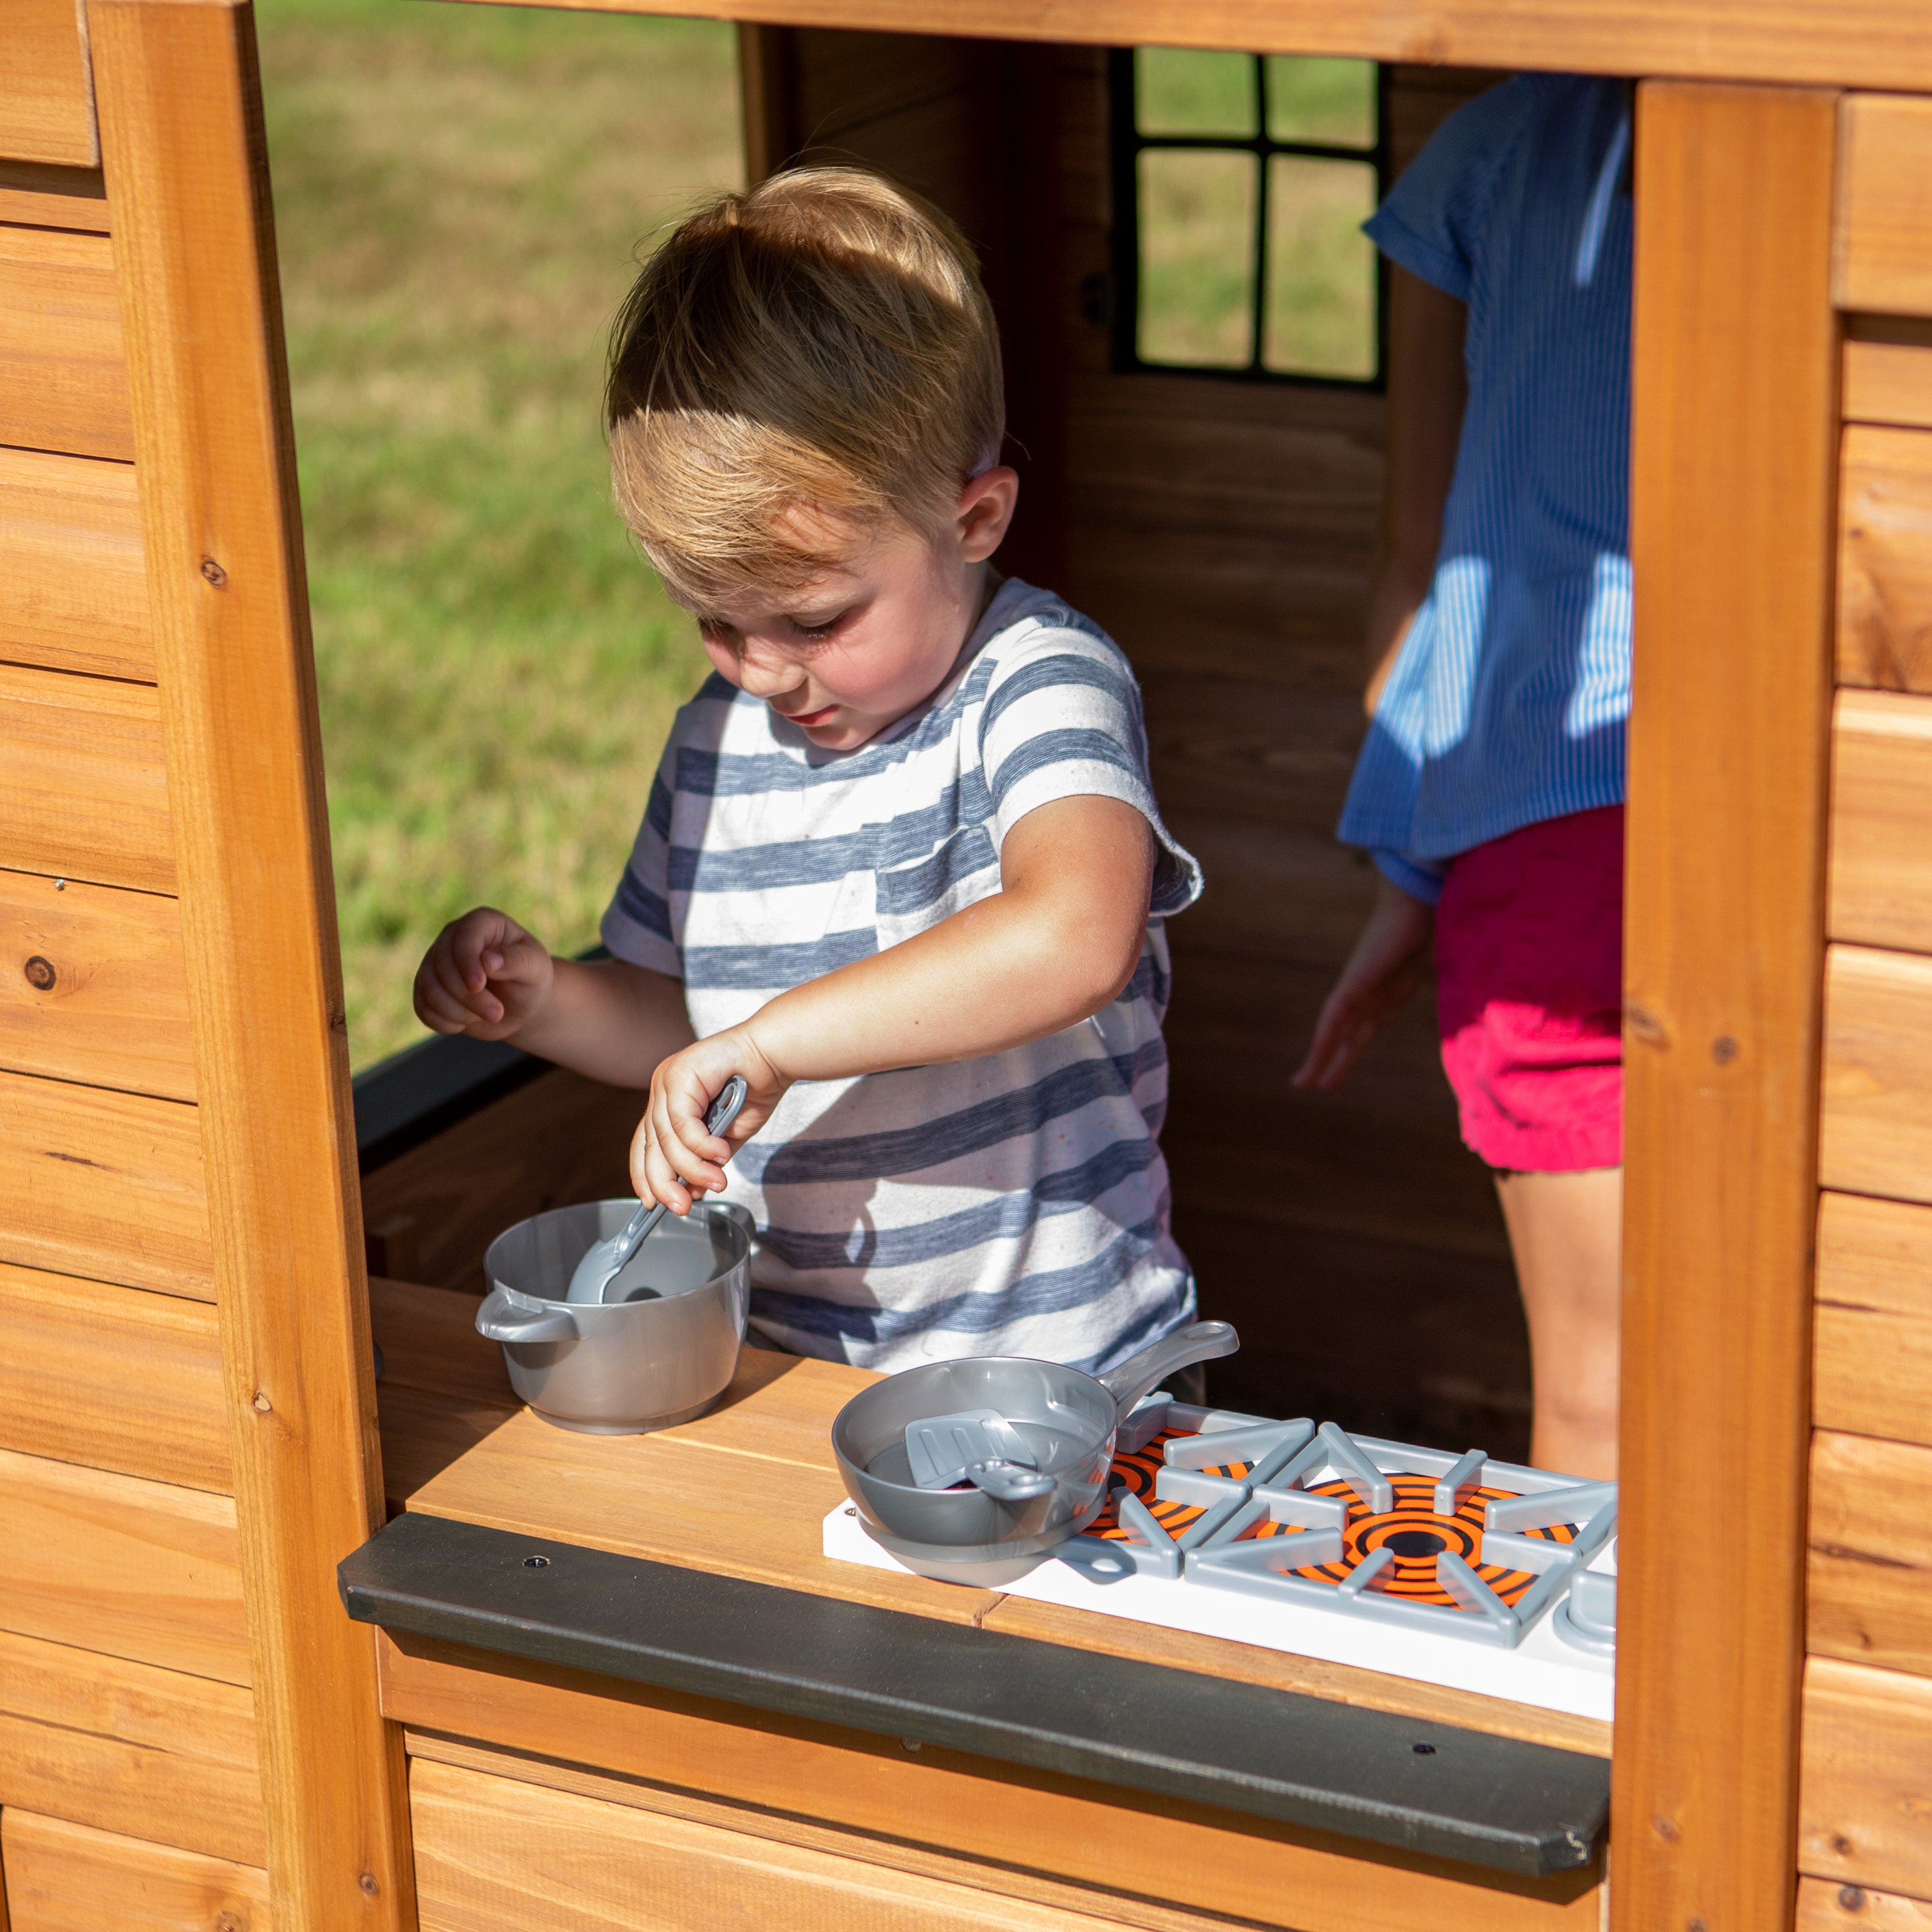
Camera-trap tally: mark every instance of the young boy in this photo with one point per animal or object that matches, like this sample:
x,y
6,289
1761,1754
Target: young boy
x,y
901,867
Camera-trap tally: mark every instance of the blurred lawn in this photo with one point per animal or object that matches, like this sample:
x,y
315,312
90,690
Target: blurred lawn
x,y
458,193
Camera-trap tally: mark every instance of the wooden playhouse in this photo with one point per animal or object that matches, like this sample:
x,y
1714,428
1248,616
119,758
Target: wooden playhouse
x,y
194,1731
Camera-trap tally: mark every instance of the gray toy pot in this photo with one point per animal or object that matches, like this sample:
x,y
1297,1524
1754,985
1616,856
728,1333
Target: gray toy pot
x,y
663,1354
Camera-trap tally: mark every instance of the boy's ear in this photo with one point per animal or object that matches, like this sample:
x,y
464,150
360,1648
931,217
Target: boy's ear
x,y
986,512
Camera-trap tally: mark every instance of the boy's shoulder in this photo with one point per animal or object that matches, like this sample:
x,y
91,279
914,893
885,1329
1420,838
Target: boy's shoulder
x,y
1024,624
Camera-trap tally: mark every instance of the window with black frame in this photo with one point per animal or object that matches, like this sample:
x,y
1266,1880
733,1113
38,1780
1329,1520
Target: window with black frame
x,y
1240,184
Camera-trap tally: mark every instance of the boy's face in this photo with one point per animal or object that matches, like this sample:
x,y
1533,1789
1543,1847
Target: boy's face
x,y
856,647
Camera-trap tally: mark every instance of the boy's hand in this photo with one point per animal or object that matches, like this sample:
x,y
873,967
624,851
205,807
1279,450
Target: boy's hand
x,y
1390,961
484,976
673,1159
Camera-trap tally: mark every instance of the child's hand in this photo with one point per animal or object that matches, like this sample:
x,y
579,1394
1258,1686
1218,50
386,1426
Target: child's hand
x,y
1390,960
673,1159
484,976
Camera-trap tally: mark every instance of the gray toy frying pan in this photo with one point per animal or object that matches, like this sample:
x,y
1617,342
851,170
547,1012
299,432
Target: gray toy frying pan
x,y
1065,1419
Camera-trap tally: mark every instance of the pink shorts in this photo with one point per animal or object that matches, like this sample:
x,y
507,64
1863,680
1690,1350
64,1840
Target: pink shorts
x,y
1529,993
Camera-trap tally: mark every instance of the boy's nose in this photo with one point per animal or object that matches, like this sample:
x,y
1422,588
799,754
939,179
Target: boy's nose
x,y
765,674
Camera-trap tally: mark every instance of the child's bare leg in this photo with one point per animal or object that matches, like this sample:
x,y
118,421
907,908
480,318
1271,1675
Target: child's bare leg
x,y
1566,1231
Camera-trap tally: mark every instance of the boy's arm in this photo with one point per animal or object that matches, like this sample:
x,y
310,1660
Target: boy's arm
x,y
488,977
1056,943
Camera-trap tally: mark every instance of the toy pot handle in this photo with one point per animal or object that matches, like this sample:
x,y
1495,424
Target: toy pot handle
x,y
500,1320
1127,1382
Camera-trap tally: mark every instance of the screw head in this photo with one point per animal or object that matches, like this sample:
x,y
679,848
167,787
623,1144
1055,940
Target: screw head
x,y
536,1562
214,572
1851,1898
41,974
367,1882
1424,1750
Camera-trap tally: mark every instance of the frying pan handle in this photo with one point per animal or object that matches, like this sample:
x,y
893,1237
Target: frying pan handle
x,y
500,1320
1127,1382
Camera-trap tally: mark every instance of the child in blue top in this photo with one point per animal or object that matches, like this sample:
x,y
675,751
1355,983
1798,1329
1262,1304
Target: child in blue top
x,y
1489,788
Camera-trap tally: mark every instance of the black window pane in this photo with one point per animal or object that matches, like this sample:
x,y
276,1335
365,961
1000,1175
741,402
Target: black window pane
x,y
1197,265
1178,91
1321,309
1332,102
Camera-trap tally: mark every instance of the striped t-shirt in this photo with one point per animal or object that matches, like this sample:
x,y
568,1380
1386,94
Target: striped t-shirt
x,y
1507,703
1013,1204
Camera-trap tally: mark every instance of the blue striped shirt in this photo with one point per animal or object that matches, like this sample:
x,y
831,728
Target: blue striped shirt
x,y
1016,1203
1507,703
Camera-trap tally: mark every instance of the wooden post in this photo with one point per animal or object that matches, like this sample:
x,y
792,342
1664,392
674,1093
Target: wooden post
x,y
186,173
1733,442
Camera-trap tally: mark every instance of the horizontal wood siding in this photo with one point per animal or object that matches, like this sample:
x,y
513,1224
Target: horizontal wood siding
x,y
70,558
63,1877
127,1747
1875,1133
147,1571
1885,214
1881,890
36,194
104,1185
1870,1577
1872,1367
1823,1907
1888,371
1866,1796
119,1378
46,104
83,787
93,986
1884,559
63,374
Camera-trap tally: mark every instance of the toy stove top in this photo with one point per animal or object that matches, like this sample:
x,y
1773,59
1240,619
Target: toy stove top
x,y
1456,1569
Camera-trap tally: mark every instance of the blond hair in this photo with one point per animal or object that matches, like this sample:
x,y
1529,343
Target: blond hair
x,y
795,370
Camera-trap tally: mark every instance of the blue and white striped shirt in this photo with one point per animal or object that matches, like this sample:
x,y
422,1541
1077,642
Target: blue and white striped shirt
x,y
1013,1204
1507,703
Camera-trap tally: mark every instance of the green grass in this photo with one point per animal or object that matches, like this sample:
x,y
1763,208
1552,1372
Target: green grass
x,y
459,193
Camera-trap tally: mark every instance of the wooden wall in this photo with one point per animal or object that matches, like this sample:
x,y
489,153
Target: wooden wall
x,y
181,1734
1865,1832
1224,533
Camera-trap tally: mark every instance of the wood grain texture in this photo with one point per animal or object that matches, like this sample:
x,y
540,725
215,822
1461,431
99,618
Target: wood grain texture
x,y
1872,1353
493,1855
70,558
104,1562
186,169
430,1213
1888,371
784,1774
1823,1907
1884,246
1866,1800
83,787
41,195
1733,435
93,987
1881,820
1876,1130
62,1877
63,372
126,1747
46,109
105,1185
1869,1576
115,1378
1884,559
898,1854
429,1341
1863,43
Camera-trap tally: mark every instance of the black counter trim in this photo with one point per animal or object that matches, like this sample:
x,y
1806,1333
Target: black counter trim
x,y
1524,1808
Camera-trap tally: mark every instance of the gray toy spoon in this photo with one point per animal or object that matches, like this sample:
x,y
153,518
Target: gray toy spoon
x,y
607,1259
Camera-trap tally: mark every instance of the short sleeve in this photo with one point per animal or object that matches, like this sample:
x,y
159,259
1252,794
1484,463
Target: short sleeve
x,y
1062,719
637,926
1434,221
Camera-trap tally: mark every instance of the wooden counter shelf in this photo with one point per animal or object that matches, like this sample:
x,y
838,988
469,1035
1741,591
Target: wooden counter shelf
x,y
685,1642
